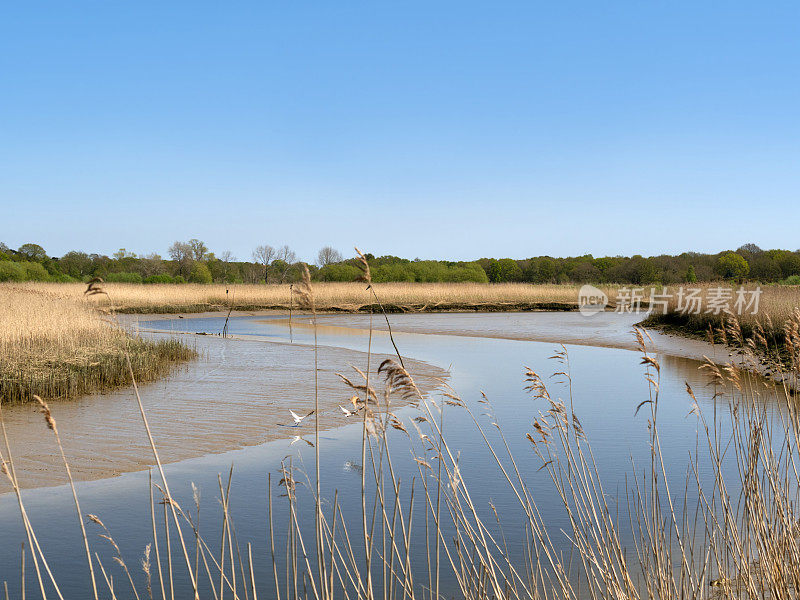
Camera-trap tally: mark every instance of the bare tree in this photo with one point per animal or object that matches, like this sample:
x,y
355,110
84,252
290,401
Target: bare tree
x,y
179,250
251,273
152,264
286,258
264,255
749,249
199,249
287,255
182,254
328,255
226,257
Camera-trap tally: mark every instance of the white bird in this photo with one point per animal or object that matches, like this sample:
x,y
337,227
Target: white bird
x,y
297,438
347,413
297,418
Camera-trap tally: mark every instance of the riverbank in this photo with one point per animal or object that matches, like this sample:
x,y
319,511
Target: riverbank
x,y
58,348
606,330
770,329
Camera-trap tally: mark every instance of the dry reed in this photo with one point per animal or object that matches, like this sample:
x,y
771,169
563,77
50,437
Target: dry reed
x,y
59,348
134,298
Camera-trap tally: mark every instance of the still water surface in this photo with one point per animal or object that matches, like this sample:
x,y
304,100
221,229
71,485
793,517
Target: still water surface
x,y
607,385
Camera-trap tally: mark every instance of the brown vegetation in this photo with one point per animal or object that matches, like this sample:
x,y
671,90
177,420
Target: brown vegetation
x,y
776,310
58,347
348,297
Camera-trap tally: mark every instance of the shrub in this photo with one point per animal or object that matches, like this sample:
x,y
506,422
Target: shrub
x,y
124,278
163,278
339,272
791,280
11,271
34,271
63,278
200,273
392,272
178,279
467,272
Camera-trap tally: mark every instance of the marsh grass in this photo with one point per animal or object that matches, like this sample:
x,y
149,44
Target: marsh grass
x,y
58,348
340,297
776,321
731,531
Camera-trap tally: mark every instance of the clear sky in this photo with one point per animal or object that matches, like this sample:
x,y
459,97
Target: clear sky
x,y
422,129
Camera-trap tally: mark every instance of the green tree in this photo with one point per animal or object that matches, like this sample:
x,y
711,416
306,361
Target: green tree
x,y
642,270
585,272
493,271
547,270
764,268
200,273
691,277
732,266
122,254
33,252
509,270
75,264
790,264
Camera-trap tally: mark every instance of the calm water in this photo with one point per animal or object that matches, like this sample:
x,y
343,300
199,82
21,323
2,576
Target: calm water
x,y
608,384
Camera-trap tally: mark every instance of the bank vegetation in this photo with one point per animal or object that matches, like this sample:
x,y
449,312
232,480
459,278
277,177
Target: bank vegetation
x,y
60,346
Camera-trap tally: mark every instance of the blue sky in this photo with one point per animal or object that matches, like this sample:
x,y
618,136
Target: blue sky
x,y
431,129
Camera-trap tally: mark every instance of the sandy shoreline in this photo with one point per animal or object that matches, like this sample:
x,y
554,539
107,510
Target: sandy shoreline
x,y
237,394
606,330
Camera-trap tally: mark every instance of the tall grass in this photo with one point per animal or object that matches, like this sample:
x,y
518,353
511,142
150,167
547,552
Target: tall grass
x,y
775,319
59,348
732,534
329,296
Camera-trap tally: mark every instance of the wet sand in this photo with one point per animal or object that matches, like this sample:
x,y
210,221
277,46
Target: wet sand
x,y
606,329
237,394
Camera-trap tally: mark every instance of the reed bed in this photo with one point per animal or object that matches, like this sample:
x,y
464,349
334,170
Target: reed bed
x,y
774,316
57,347
731,531
349,297
778,301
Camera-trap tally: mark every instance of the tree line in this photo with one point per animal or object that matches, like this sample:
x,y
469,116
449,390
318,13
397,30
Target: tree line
x,y
192,261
